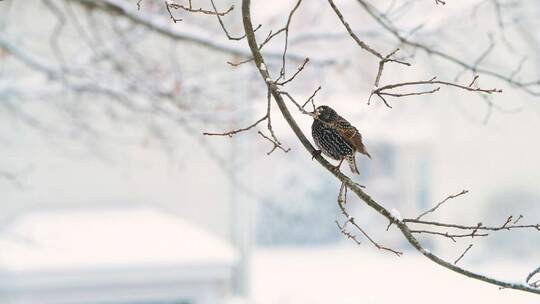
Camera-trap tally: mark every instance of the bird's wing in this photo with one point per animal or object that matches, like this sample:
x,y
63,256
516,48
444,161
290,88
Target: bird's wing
x,y
351,135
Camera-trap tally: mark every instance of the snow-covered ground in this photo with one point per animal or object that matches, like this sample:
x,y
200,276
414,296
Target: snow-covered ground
x,y
363,275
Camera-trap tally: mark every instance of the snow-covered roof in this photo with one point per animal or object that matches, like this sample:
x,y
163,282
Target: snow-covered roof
x,y
107,238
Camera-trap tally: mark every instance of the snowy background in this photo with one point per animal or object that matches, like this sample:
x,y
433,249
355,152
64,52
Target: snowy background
x,y
111,178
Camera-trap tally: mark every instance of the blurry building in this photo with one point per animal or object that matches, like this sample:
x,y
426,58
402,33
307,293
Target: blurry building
x,y
116,255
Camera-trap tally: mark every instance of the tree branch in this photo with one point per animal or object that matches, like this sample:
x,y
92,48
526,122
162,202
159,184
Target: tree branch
x,y
342,200
259,62
443,201
389,27
463,254
158,24
381,91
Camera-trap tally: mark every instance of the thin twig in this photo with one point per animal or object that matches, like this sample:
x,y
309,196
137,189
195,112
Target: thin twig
x,y
443,201
269,125
311,98
276,144
530,276
231,133
517,220
434,81
300,108
190,9
347,233
410,94
342,200
383,61
380,91
294,75
223,24
463,254
449,235
174,19
358,41
478,60
285,47
477,227
235,64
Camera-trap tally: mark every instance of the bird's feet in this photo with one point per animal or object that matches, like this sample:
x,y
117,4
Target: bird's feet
x,y
336,168
361,186
315,154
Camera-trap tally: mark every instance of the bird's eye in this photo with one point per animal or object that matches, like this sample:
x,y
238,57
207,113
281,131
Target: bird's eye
x,y
325,115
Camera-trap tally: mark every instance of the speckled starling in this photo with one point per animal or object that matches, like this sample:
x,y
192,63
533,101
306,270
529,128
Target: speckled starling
x,y
336,137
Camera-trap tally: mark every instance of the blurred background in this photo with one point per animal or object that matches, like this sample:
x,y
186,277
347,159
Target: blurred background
x,y
111,194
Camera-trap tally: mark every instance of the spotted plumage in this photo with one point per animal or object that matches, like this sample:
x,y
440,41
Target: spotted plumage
x,y
336,137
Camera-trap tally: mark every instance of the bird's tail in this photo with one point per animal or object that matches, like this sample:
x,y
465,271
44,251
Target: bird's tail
x,y
352,164
364,151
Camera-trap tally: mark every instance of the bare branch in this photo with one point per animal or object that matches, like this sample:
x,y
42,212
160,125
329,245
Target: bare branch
x,y
463,192
311,98
300,108
190,9
479,60
294,75
365,46
518,67
223,25
347,182
347,233
157,23
270,36
479,226
517,220
173,18
235,64
434,81
449,235
381,91
14,178
360,43
285,47
273,138
463,254
383,61
276,144
389,27
535,284
473,81
342,200
231,133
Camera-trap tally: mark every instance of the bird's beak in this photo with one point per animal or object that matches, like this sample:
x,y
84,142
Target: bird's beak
x,y
312,114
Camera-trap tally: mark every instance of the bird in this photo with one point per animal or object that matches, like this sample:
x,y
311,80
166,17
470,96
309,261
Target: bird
x,y
336,137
